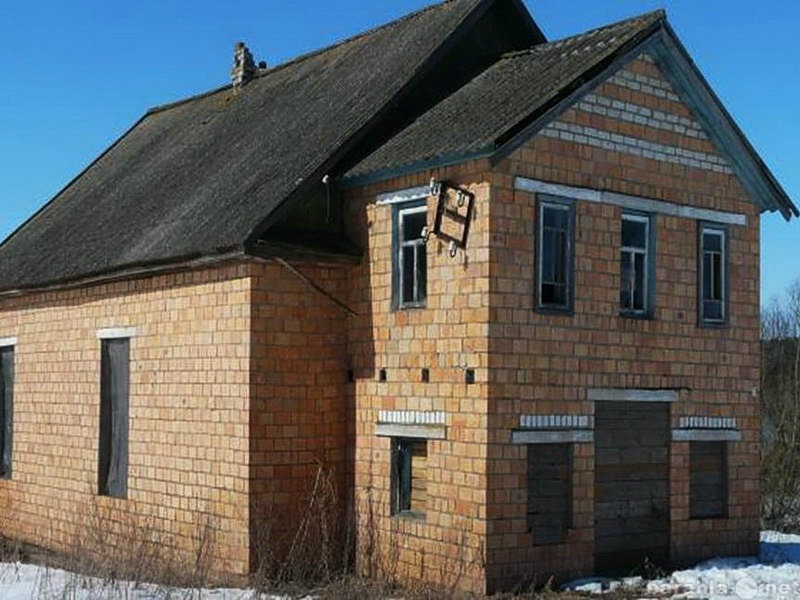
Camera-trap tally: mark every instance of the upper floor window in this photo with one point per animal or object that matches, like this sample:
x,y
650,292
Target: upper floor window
x,y
410,272
713,275
636,280
555,254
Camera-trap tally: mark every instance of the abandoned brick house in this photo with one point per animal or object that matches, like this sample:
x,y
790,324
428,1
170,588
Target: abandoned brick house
x,y
505,290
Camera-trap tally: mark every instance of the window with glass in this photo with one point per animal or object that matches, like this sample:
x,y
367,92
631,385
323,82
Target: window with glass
x,y
410,262
635,265
713,275
554,282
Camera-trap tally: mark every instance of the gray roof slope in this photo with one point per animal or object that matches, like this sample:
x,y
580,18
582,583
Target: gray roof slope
x,y
194,178
473,119
510,99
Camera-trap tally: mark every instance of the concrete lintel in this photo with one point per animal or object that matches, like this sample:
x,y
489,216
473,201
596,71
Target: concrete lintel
x,y
415,193
8,341
435,432
573,436
706,435
113,333
630,202
631,395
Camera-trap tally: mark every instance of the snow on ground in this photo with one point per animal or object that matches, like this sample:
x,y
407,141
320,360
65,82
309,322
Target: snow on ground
x,y
774,575
32,582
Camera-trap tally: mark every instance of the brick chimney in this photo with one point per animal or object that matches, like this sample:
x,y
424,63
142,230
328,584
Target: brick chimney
x,y
244,67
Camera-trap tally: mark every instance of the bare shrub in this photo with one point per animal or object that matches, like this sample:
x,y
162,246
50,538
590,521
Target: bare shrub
x,y
111,553
313,549
780,393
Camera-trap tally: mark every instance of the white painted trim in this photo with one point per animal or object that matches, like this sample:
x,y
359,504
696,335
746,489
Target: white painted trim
x,y
572,436
114,333
411,417
629,202
706,435
428,432
556,422
707,423
631,395
9,341
406,195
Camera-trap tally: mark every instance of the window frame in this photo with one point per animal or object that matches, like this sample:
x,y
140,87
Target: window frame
x,y
7,365
114,419
402,476
705,227
399,211
544,201
648,309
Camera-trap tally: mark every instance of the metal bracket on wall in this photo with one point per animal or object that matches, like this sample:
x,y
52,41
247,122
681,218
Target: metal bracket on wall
x,y
454,210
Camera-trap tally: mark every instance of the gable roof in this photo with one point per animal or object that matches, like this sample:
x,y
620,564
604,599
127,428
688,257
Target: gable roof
x,y
521,93
197,177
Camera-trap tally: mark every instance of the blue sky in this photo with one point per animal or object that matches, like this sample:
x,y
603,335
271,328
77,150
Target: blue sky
x,y
75,75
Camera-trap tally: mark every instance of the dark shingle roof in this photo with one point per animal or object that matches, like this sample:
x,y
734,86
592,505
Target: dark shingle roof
x,y
479,115
196,177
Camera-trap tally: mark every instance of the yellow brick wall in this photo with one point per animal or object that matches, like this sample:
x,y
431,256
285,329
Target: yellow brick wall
x,y
300,410
189,410
544,364
447,336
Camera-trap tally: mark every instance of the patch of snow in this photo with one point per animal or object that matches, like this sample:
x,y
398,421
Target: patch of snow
x,y
774,575
31,582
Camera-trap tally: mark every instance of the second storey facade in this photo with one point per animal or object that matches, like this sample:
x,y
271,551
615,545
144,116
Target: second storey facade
x,y
579,385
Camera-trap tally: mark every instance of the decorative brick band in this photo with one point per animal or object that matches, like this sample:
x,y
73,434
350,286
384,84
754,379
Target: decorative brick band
x,y
645,84
641,115
707,423
615,142
411,417
556,422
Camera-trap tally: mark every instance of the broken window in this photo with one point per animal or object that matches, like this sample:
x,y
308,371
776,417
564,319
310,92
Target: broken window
x,y
410,263
6,409
409,476
113,443
635,267
555,254
713,275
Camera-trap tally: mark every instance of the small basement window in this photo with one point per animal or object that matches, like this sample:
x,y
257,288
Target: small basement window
x,y
549,484
409,476
410,268
708,485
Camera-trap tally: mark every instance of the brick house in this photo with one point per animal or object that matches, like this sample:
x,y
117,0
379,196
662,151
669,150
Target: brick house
x,y
505,290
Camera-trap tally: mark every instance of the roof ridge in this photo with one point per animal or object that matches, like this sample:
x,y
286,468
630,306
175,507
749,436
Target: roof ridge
x,y
653,15
262,73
